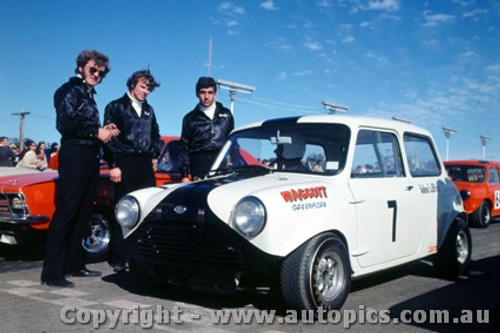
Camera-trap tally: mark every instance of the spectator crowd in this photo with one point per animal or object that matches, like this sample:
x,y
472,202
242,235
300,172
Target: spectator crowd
x,y
34,155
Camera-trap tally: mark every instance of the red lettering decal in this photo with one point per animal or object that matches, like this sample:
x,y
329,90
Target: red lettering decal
x,y
287,196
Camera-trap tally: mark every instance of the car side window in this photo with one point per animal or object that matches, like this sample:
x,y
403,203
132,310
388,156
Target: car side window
x,y
377,155
420,155
494,177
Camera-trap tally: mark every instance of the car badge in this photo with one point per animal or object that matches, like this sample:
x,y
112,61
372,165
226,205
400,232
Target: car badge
x,y
180,209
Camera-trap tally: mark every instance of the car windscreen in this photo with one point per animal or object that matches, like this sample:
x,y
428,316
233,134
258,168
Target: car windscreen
x,y
304,148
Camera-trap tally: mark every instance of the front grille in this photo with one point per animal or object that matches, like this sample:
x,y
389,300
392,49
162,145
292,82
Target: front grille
x,y
189,243
4,205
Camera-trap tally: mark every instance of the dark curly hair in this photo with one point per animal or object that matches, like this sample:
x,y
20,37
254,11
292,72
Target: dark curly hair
x,y
142,74
86,55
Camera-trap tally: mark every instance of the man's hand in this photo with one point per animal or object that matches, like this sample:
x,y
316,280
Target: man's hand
x,y
108,132
186,180
115,175
155,164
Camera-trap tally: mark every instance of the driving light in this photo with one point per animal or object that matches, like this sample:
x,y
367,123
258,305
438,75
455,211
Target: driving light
x,y
127,211
249,216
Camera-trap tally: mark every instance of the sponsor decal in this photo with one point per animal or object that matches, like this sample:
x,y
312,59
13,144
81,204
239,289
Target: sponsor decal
x,y
302,194
428,188
309,205
297,196
432,249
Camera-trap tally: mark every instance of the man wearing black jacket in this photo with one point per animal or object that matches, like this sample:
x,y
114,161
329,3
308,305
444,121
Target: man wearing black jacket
x,y
77,119
133,154
204,131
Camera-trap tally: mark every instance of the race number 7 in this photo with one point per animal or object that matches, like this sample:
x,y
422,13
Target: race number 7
x,y
393,204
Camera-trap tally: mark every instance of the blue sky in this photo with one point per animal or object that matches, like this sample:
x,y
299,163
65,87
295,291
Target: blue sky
x,y
435,63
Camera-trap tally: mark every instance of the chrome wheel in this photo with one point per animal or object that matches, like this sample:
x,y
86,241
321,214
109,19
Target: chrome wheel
x,y
329,276
98,235
462,247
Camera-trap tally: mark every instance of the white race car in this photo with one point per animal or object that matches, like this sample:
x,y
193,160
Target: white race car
x,y
302,205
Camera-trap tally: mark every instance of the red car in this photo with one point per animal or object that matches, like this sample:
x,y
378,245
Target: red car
x,y
27,202
479,184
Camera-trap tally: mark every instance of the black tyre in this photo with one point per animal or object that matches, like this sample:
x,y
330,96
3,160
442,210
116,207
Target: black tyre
x,y
318,274
96,240
482,216
454,255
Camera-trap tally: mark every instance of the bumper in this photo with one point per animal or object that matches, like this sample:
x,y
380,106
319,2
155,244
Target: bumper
x,y
197,254
18,230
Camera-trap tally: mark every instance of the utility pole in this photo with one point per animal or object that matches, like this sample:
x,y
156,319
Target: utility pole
x,y
21,115
484,141
447,133
210,57
233,89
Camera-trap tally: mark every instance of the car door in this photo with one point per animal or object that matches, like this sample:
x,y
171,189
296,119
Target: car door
x,y
494,189
385,200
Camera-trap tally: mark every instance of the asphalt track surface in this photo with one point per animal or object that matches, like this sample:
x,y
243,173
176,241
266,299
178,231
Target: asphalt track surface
x,y
408,298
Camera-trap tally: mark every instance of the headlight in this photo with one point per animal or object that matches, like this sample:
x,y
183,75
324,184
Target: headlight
x,y
127,211
16,202
249,216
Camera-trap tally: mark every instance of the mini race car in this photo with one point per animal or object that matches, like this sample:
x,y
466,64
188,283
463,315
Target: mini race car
x,y
479,185
301,205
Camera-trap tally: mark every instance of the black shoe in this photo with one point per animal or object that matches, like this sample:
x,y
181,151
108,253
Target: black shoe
x,y
119,267
84,273
57,282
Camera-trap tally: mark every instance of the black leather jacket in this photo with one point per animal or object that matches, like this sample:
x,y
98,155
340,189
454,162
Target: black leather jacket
x,y
138,135
77,116
200,134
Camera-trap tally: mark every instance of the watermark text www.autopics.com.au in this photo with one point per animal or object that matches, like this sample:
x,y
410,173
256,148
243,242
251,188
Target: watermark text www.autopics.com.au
x,y
150,317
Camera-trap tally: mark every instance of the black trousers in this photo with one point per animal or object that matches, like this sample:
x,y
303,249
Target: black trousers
x,y
137,173
201,162
76,188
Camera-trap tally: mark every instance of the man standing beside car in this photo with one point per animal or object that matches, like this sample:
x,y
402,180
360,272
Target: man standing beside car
x,y
133,154
204,131
77,119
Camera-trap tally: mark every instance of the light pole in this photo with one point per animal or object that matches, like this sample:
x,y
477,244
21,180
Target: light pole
x,y
233,88
484,141
332,107
447,133
21,115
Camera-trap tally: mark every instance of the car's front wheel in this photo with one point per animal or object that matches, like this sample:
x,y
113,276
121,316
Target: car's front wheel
x,y
97,237
482,216
317,275
454,254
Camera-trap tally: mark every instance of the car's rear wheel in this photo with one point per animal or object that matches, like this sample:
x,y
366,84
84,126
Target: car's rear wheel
x,y
97,237
318,274
454,254
482,216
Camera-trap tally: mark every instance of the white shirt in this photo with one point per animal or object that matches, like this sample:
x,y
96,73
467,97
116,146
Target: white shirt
x,y
210,111
137,105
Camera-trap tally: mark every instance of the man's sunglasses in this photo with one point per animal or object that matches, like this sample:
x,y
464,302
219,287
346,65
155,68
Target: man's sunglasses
x,y
94,70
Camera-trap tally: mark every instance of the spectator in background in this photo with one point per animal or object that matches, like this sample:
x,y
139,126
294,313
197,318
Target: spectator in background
x,y
7,156
42,147
33,159
53,150
28,145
